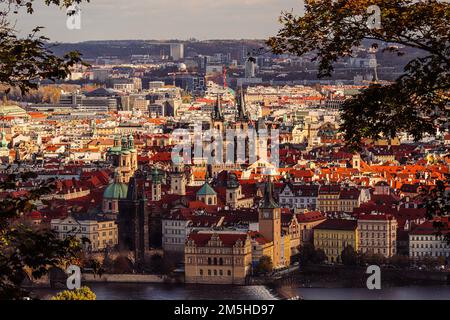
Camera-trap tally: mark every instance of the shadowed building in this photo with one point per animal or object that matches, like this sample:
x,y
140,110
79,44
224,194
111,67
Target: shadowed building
x,y
133,221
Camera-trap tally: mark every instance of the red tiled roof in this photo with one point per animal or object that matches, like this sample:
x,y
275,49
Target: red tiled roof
x,y
227,239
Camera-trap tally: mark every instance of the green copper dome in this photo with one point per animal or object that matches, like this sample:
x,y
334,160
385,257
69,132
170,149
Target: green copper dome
x,y
206,190
116,191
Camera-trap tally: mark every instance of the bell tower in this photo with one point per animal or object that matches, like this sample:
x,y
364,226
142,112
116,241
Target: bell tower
x,y
356,161
156,185
270,222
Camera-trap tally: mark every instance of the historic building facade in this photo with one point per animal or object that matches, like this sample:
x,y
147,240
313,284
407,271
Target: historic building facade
x,y
220,258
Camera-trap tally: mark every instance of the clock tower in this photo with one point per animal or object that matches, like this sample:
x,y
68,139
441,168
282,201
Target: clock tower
x,y
270,222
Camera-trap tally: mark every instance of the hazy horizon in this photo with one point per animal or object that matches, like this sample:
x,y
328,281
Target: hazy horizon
x,y
161,20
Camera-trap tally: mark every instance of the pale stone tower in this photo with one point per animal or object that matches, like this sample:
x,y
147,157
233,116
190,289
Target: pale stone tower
x,y
178,178
233,191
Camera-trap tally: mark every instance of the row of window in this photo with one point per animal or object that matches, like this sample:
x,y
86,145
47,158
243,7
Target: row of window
x,y
377,227
429,245
174,240
430,254
334,236
297,200
215,272
75,228
423,238
214,261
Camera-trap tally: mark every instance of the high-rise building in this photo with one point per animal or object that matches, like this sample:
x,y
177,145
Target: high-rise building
x,y
177,51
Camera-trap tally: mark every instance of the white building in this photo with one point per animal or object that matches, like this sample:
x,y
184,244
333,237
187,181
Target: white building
x,y
299,196
176,228
377,234
101,233
423,242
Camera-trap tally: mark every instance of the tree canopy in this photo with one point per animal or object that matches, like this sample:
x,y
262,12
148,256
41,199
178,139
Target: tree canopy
x,y
25,251
26,61
84,293
417,102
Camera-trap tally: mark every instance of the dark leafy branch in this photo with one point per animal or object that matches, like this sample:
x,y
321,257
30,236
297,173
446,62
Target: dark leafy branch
x,y
417,102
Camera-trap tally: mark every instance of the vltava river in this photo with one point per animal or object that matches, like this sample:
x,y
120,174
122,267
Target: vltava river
x,y
129,291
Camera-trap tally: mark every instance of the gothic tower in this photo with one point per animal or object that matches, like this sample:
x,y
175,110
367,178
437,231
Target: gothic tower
x,y
217,118
133,220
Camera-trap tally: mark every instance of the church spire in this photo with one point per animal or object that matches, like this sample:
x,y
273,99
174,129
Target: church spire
x,y
268,200
217,113
242,112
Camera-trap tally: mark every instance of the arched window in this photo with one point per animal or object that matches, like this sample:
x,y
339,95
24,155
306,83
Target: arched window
x,y
215,261
209,261
229,273
201,272
221,261
215,272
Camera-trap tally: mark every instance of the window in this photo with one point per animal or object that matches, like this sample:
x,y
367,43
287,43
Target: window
x,y
229,273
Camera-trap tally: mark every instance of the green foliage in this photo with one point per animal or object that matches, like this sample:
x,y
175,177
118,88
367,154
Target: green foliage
x,y
83,293
26,61
25,252
308,254
320,256
349,256
416,102
265,265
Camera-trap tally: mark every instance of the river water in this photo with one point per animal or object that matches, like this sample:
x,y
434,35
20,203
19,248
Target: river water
x,y
129,291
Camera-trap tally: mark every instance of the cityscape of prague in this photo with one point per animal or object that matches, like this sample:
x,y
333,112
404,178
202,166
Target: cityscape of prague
x,y
305,158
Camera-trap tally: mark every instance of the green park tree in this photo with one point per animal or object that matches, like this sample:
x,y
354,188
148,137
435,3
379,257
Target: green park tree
x,y
265,265
349,256
417,102
26,252
84,293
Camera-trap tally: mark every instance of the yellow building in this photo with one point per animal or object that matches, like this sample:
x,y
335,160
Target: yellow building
x,y
333,236
328,198
217,258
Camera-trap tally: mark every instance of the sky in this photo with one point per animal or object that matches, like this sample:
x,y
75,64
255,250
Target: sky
x,y
162,19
